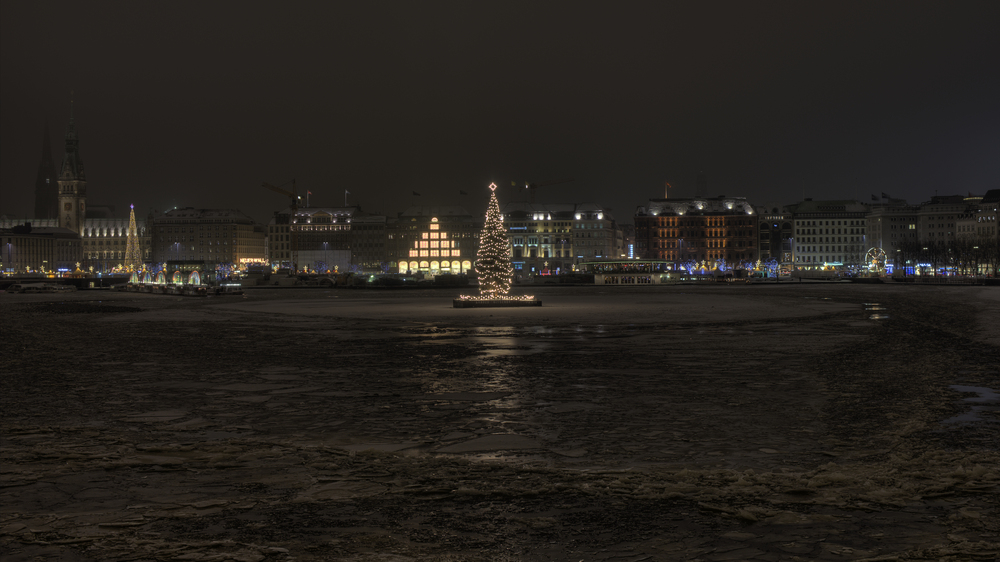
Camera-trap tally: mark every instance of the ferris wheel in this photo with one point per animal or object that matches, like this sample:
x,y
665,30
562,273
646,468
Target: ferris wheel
x,y
875,258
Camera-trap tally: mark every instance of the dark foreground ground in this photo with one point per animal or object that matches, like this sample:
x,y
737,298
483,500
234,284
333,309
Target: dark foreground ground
x,y
657,423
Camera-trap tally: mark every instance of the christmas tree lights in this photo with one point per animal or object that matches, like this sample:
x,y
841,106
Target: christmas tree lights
x,y
493,263
493,259
133,261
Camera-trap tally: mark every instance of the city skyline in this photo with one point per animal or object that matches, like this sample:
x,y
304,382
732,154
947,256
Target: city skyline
x,y
774,104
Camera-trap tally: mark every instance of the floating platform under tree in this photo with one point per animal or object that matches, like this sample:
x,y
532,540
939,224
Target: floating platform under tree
x,y
476,302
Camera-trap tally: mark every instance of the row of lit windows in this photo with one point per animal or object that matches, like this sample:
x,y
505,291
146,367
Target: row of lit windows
x,y
433,235
806,249
436,244
814,239
435,253
309,228
830,223
712,233
190,228
455,266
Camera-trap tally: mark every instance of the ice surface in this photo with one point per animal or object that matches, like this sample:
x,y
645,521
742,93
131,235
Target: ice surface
x,y
760,422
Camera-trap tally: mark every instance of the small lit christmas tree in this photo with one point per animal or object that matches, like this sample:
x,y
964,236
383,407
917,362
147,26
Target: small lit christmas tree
x,y
493,259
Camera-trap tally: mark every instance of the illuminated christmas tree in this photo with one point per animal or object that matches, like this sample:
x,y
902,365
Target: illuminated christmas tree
x,y
493,264
133,261
493,259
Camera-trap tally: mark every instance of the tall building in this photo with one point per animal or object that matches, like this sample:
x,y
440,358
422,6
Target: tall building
x,y
72,184
46,183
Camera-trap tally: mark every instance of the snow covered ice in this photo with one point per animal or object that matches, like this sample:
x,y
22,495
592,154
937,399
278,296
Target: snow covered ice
x,y
722,422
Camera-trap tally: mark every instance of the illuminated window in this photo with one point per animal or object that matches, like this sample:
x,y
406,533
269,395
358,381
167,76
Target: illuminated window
x,y
423,244
424,265
414,253
445,253
434,253
423,254
434,235
424,235
446,244
434,244
444,235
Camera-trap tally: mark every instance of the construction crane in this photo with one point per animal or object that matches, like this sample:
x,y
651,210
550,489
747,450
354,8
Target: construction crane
x,y
530,187
293,235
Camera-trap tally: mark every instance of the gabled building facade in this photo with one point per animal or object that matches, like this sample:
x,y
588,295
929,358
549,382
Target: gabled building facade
x,y
434,240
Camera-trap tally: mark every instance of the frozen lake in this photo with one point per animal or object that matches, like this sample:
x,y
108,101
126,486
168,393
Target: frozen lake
x,y
723,422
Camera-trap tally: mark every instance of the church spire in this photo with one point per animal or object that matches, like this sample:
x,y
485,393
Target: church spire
x,y
72,168
46,188
72,183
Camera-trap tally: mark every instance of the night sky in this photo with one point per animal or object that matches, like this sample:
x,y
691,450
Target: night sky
x,y
198,103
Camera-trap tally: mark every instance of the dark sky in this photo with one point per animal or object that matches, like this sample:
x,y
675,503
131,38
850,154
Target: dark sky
x,y
198,103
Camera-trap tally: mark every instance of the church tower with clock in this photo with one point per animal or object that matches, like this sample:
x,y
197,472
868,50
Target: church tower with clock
x,y
72,184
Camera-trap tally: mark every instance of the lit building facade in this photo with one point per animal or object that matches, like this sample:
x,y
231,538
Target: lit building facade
x,y
434,240
104,241
829,233
986,217
892,225
436,251
317,238
775,235
703,229
215,236
548,239
948,234
27,249
937,219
